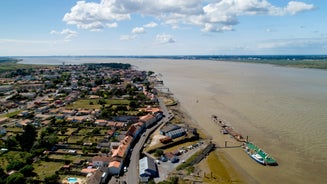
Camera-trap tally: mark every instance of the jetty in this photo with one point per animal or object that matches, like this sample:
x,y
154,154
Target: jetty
x,y
226,128
251,149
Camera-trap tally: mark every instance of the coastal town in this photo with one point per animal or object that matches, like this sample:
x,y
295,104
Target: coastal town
x,y
94,123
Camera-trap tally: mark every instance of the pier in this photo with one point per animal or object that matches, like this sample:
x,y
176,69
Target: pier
x,y
228,129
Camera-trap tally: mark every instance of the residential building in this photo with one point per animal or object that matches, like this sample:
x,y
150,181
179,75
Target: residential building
x,y
101,122
115,167
123,147
148,120
100,161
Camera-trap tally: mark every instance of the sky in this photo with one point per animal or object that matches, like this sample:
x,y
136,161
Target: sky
x,y
162,27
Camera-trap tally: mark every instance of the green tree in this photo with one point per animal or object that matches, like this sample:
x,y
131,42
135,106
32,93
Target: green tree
x,y
158,152
53,179
26,140
173,180
16,178
11,142
27,170
31,180
48,141
15,165
3,176
63,130
96,131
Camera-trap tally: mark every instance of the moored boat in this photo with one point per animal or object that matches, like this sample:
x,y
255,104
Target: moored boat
x,y
258,154
257,158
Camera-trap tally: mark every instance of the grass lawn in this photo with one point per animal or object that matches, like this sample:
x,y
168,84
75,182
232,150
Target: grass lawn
x,y
103,131
70,131
44,169
93,103
14,129
73,158
93,139
12,114
220,171
84,131
75,139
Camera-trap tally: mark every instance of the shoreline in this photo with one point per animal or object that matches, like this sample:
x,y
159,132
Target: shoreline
x,y
235,171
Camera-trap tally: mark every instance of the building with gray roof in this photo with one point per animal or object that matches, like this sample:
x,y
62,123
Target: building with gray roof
x,y
147,168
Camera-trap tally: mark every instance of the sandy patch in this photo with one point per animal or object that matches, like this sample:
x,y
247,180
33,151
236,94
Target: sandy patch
x,y
156,139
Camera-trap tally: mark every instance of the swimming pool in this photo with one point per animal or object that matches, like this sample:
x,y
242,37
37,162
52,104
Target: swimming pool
x,y
72,180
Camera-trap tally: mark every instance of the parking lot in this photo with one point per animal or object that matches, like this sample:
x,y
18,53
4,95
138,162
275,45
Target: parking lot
x,y
167,167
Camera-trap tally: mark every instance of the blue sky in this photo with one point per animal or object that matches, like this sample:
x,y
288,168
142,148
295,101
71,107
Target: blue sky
x,y
162,27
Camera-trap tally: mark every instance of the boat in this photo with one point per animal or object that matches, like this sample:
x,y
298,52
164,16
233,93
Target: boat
x,y
258,154
257,158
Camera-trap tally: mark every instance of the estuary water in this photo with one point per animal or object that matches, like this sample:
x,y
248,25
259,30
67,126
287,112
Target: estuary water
x,y
282,110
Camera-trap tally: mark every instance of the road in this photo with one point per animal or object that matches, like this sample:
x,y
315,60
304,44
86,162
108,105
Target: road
x,y
132,175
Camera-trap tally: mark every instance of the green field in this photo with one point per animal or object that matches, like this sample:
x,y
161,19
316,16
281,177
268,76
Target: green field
x,y
93,139
75,139
317,64
12,114
72,158
12,64
44,169
93,103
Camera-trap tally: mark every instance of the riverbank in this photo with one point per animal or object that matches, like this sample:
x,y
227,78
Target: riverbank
x,y
217,167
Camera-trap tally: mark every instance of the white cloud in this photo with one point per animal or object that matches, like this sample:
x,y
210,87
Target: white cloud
x,y
67,33
93,16
210,15
165,38
138,30
128,37
294,7
150,25
112,25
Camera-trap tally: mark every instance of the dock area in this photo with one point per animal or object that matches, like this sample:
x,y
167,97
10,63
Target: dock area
x,y
226,128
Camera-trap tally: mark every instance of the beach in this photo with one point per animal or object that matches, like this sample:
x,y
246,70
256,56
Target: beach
x,y
282,110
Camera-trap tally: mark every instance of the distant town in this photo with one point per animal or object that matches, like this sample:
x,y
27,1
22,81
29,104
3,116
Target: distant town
x,y
94,124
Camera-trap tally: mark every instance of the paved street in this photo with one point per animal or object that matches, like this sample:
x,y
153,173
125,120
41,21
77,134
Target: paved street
x,y
132,175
